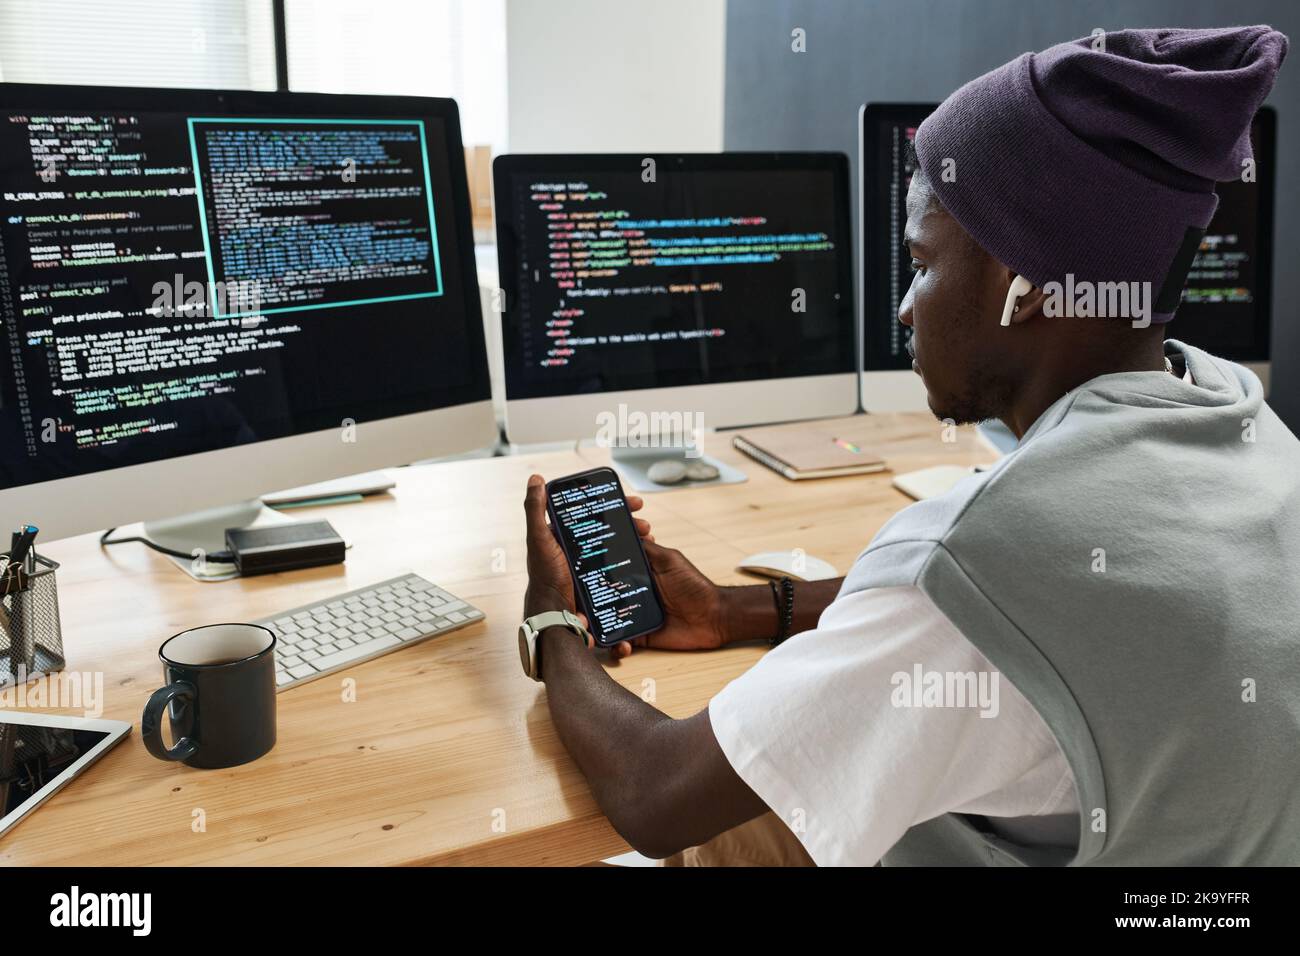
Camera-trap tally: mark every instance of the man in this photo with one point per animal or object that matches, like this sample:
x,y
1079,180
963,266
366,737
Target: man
x,y
1126,582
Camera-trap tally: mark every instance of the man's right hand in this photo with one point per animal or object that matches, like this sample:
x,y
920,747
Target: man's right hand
x,y
698,614
701,616
692,604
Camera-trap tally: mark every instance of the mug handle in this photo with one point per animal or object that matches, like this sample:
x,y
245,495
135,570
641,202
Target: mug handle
x,y
151,722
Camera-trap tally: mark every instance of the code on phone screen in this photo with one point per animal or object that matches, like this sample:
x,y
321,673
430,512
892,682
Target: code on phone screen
x,y
607,561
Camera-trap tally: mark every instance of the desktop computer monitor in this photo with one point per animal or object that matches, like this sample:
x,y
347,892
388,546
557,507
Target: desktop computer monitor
x,y
206,295
1226,302
716,286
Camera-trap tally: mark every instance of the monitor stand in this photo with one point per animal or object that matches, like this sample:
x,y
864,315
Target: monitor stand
x,y
202,533
633,463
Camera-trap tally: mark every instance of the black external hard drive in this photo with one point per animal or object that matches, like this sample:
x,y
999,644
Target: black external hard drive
x,y
286,547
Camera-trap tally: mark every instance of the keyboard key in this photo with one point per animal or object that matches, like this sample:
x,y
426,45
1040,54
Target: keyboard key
x,y
282,678
339,658
456,616
410,632
302,670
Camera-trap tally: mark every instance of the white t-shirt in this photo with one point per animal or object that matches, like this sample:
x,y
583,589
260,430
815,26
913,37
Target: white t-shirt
x,y
837,730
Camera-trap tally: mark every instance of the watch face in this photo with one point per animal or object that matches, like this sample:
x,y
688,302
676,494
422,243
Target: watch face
x,y
525,657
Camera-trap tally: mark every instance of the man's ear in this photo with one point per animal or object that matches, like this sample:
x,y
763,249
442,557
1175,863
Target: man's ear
x,y
1028,303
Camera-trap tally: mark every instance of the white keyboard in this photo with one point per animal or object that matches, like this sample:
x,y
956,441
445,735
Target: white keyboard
x,y
319,639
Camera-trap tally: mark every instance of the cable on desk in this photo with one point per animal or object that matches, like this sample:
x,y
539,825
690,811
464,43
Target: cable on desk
x,y
220,557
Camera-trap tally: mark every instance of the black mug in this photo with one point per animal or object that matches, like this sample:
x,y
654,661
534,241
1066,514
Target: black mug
x,y
220,694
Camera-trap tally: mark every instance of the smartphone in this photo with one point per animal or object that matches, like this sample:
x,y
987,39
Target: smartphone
x,y
611,576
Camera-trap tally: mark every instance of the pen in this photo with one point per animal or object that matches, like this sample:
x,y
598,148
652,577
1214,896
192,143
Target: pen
x,y
6,622
21,562
14,537
21,544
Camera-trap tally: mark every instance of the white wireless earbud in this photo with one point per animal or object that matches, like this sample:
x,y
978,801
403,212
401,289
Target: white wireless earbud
x,y
1019,286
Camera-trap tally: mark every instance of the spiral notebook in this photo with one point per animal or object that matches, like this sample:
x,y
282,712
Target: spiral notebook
x,y
809,450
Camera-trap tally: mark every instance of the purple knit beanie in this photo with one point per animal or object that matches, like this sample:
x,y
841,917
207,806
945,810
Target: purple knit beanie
x,y
1098,157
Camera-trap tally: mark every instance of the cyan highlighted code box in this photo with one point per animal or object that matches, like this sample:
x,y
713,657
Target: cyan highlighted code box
x,y
260,120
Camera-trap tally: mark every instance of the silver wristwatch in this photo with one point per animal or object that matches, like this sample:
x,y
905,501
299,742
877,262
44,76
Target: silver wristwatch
x,y
531,630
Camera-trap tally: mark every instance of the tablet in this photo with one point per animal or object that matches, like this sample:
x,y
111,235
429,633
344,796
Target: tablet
x,y
41,753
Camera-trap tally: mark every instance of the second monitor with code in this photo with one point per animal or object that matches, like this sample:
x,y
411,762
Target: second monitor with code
x,y
717,288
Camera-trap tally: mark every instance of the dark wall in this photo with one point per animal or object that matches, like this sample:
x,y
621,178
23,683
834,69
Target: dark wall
x,y
922,50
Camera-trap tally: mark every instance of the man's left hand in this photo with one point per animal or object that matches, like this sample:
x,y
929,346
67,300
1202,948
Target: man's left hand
x,y
550,585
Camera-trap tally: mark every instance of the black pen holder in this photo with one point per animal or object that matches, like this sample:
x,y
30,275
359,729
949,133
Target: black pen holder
x,y
31,641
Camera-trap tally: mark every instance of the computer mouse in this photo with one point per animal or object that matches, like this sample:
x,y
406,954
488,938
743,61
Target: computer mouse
x,y
667,472
792,564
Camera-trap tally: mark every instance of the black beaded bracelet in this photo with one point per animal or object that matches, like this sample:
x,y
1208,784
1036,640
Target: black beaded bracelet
x,y
783,597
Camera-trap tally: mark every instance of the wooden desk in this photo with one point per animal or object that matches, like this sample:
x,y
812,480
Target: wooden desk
x,y
448,754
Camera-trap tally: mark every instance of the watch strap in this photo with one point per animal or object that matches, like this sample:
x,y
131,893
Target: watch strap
x,y
533,628
566,619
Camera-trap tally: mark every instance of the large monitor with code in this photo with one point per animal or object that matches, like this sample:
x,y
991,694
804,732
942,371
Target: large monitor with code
x,y
190,273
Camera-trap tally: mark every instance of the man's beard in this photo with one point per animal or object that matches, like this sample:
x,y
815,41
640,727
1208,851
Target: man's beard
x,y
980,398
959,414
